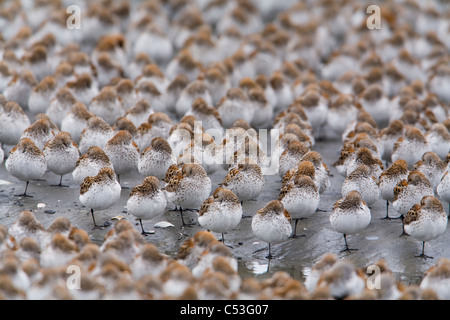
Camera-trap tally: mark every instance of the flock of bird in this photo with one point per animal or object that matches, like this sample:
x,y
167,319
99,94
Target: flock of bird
x,y
178,90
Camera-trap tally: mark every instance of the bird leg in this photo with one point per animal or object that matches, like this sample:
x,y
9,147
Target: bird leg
x,y
346,245
60,183
423,255
295,235
96,226
142,227
24,194
182,219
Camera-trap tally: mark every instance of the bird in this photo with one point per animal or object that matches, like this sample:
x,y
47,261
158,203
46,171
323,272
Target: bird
x,y
100,192
316,109
293,153
221,212
61,154
61,103
436,279
443,188
323,173
246,181
20,87
342,280
42,94
432,167
438,138
410,147
363,181
107,105
147,90
208,115
156,159
76,120
26,162
13,122
324,264
97,133
272,224
233,106
195,89
350,215
139,112
388,136
410,191
158,124
389,178
201,150
300,198
146,200
58,252
90,163
262,110
84,88
426,221
27,226
341,113
123,153
126,92
189,188
40,132
376,103
365,157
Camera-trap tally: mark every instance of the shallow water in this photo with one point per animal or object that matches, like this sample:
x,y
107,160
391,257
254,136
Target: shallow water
x,y
296,256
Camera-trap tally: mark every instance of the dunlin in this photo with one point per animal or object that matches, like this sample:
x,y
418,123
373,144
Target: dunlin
x,y
189,189
26,162
389,178
410,147
107,105
158,125
272,224
233,106
97,133
436,278
246,181
438,138
426,221
293,153
300,198
411,191
42,94
321,169
432,167
208,115
39,132
13,122
123,153
146,200
350,215
62,102
221,212
76,120
156,159
100,192
62,155
90,163
443,188
139,112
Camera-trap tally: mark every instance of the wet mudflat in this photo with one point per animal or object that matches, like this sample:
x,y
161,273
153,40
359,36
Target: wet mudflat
x,y
296,256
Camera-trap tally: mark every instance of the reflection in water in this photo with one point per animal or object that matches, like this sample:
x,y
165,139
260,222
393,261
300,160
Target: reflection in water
x,y
256,268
